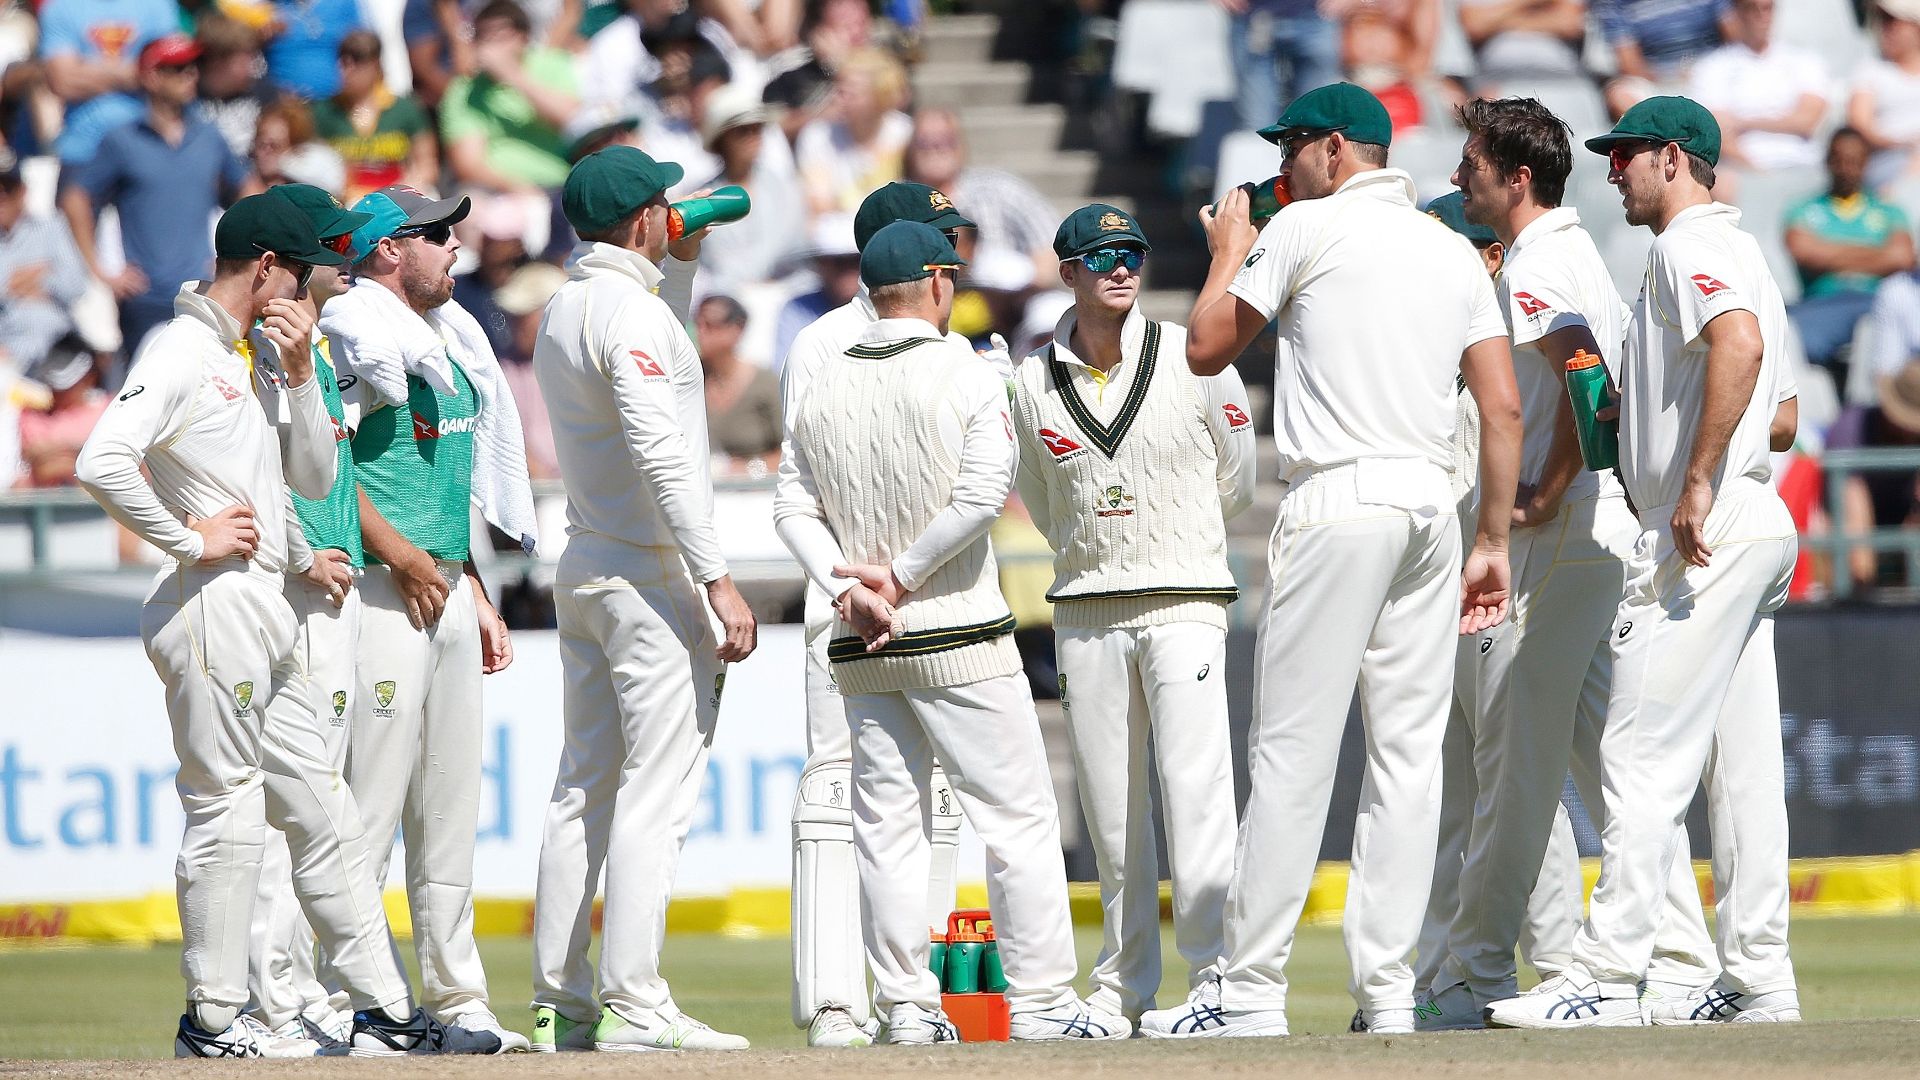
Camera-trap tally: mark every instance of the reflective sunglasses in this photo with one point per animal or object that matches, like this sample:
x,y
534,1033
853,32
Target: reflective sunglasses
x,y
436,234
1105,259
1620,155
339,245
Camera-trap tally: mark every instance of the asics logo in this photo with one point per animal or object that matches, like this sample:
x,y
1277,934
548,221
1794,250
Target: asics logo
x,y
1574,1007
1717,1003
1200,1018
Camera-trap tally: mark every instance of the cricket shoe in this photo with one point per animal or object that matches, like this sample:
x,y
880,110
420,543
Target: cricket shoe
x,y
244,1038
1075,1021
1715,1004
1566,1001
910,1025
553,1032
616,1033
482,1020
1202,1016
1452,1009
376,1035
1381,1022
333,1031
291,1040
834,1026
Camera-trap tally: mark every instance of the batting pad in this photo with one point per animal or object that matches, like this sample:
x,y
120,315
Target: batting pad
x,y
829,960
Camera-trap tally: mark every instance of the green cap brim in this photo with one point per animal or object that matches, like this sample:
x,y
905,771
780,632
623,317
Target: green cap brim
x,y
1600,144
342,223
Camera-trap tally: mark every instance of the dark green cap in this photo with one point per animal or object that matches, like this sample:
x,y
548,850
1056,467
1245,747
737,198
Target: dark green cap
x,y
267,222
1666,120
1451,209
1093,227
902,201
329,218
905,251
1342,107
608,185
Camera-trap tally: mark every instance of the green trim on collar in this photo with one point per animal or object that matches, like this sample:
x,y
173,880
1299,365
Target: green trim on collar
x,y
886,350
848,649
1107,438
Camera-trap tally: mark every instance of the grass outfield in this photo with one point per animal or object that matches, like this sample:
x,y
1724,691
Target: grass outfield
x,y
100,1002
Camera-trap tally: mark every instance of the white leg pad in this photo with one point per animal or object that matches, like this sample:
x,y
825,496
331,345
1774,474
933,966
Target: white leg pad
x,y
829,961
943,829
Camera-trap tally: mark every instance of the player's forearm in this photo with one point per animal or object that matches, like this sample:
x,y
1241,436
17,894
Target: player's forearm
x,y
1488,367
667,469
312,454
1734,351
676,287
109,470
381,539
1211,337
813,546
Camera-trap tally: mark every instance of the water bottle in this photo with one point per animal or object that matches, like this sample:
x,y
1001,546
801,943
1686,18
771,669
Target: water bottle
x,y
1587,387
963,962
1266,197
726,204
993,977
937,956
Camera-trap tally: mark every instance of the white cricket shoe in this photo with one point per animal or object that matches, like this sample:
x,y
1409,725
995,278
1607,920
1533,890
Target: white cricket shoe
x,y
834,1026
374,1035
618,1034
482,1019
1077,1020
910,1025
290,1040
1382,1022
1202,1016
1566,1001
1715,1004
244,1038
1452,1009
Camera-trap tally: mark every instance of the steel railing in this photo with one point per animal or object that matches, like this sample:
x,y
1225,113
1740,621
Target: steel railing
x,y
1839,466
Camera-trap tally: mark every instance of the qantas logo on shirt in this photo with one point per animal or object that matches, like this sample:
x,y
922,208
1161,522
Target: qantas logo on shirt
x,y
1530,304
226,389
453,425
1236,416
339,429
1708,285
648,365
1057,444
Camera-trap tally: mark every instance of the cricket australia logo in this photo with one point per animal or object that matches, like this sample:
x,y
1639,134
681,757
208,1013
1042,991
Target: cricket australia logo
x,y
242,698
1065,706
719,684
339,707
1113,502
383,699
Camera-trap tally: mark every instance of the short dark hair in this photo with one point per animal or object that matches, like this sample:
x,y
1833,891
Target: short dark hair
x,y
731,312
1701,171
1521,131
1847,132
1368,153
505,10
361,45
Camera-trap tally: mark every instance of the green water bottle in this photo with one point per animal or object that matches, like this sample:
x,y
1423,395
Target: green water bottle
x,y
1587,387
1267,197
993,977
937,956
726,204
963,962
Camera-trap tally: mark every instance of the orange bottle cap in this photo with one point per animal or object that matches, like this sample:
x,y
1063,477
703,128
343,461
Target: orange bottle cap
x,y
1581,360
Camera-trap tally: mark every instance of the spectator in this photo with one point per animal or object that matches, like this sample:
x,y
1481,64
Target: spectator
x,y
862,141
502,125
435,32
1281,49
303,43
1655,43
743,399
41,275
1843,242
1883,498
836,262
1896,326
232,91
166,173
51,438
383,139
1008,213
523,300
27,107
1886,97
502,225
1521,38
625,58
763,245
1387,47
287,149
90,47
1769,97
691,69
600,124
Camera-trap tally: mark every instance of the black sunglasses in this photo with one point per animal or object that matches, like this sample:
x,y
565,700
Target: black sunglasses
x,y
302,275
436,234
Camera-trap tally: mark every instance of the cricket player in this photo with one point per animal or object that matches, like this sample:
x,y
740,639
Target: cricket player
x,y
623,387
1130,465
903,456
1693,679
1381,309
288,996
830,997
437,433
223,638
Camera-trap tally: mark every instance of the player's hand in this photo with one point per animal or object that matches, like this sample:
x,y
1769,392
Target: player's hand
x,y
422,588
127,283
871,617
496,645
28,282
999,356
332,570
290,327
687,248
1529,510
876,577
1230,233
1690,523
228,533
1484,585
736,618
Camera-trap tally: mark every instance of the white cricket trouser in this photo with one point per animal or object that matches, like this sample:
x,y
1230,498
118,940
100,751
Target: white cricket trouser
x,y
642,695
224,643
414,761
988,736
1119,685
281,971
1366,592
1680,656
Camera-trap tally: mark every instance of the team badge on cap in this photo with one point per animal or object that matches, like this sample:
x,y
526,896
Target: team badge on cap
x,y
939,201
1111,221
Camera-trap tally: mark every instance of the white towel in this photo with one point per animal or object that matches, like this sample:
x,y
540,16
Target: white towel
x,y
380,340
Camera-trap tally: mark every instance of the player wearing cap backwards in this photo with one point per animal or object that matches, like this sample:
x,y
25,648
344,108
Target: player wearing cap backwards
x,y
903,453
1366,565
1694,686
1130,464
224,641
437,432
622,384
830,995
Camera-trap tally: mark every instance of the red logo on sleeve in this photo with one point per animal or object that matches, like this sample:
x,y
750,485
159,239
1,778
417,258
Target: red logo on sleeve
x,y
648,365
1236,416
226,389
1530,304
1708,285
1057,444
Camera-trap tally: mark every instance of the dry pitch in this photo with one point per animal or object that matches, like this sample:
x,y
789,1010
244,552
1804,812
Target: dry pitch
x,y
1860,981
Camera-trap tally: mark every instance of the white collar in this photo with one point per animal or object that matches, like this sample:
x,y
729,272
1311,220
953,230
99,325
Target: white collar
x,y
600,260
1558,219
1387,185
192,302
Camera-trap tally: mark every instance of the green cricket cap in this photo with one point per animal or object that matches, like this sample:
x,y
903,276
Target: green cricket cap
x,y
1668,119
1097,226
609,184
1451,209
270,222
902,201
906,251
1342,107
329,218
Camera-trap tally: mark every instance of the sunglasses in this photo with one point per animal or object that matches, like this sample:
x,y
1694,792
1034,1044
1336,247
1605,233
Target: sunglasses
x,y
339,245
1292,144
436,234
1104,260
302,275
1620,155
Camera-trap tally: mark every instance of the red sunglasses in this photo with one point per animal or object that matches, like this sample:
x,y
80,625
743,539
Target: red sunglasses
x,y
339,245
1620,155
